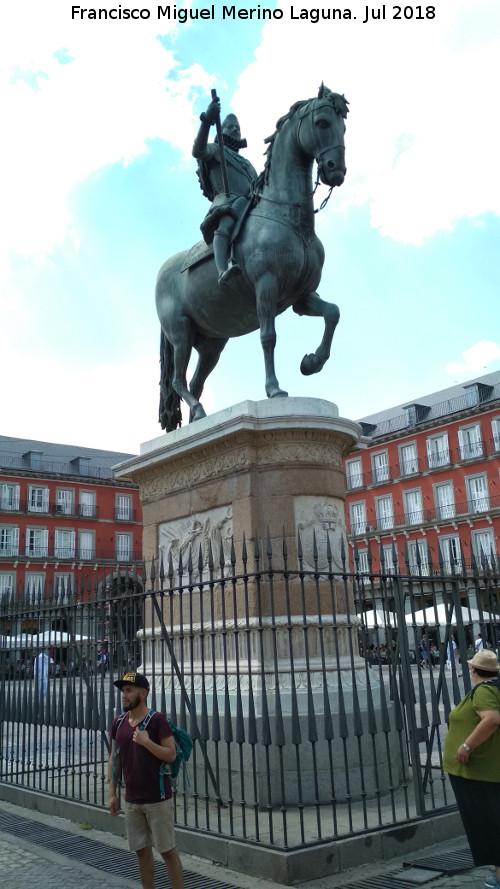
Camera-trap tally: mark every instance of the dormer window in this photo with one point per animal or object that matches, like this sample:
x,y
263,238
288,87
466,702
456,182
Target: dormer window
x,y
475,393
34,459
415,413
82,465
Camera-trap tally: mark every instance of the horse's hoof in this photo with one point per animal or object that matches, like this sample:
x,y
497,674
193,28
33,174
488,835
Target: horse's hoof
x,y
309,365
277,393
197,413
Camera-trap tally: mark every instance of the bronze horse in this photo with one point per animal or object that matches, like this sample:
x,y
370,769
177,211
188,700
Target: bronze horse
x,y
280,256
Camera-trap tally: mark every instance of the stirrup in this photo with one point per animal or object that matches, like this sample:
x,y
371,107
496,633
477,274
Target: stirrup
x,y
231,271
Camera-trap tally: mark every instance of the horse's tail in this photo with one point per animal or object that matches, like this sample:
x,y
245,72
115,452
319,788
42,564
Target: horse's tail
x,y
170,403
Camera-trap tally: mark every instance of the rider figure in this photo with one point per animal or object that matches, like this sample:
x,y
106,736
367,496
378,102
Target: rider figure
x,y
226,209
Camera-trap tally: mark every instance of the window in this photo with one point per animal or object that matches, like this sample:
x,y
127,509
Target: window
x,y
64,501
411,415
450,554
123,547
7,586
34,460
438,453
38,499
358,517
123,510
418,556
37,542
389,565
9,540
414,513
380,467
9,497
87,504
469,439
385,512
64,544
360,561
444,500
495,431
477,493
471,395
408,461
483,543
34,585
354,473
63,586
86,545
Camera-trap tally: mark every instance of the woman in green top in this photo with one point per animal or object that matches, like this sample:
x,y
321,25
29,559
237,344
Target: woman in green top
x,y
471,757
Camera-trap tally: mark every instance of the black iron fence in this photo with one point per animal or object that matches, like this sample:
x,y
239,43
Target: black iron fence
x,y
317,699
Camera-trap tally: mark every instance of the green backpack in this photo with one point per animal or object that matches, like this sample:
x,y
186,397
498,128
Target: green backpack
x,y
183,746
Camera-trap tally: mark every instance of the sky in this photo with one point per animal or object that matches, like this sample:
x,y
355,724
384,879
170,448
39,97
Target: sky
x,y
98,188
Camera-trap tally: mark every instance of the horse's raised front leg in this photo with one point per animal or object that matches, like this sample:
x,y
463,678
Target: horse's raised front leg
x,y
314,306
266,294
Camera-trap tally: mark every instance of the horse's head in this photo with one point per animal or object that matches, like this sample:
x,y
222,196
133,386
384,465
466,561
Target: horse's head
x,y
321,134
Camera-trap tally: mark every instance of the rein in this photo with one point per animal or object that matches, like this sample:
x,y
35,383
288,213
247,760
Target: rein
x,y
318,154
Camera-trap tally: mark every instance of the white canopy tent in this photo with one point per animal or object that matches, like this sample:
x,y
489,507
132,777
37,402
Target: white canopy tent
x,y
382,618
432,616
58,639
47,639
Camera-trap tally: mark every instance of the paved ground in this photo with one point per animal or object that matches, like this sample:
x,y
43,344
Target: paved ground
x,y
24,863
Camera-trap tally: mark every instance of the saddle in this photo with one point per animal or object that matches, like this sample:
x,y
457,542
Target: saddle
x,y
201,252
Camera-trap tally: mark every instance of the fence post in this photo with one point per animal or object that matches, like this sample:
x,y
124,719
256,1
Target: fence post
x,y
408,688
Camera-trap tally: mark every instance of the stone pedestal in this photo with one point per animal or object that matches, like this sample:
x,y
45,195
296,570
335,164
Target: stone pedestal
x,y
268,648
257,466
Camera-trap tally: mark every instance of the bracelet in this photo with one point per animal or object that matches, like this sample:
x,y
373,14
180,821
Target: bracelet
x,y
466,747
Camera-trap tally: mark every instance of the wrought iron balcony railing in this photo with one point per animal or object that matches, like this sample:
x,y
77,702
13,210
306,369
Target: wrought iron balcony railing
x,y
445,513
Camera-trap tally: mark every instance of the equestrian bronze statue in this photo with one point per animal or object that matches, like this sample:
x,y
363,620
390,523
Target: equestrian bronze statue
x,y
277,255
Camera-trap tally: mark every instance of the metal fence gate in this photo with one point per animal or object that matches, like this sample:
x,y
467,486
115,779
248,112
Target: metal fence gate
x,y
317,700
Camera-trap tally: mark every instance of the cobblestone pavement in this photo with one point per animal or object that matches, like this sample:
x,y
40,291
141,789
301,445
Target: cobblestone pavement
x,y
25,864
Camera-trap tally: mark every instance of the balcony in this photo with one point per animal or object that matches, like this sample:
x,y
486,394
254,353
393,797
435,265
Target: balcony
x,y
11,505
87,511
9,551
63,509
474,450
446,514
125,514
439,459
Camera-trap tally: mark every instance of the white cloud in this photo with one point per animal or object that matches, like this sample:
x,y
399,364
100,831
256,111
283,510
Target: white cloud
x,y
476,358
64,121
423,138
111,406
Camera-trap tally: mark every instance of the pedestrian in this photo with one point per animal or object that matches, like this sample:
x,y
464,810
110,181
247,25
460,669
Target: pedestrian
x,y
478,644
471,756
141,740
41,670
424,653
450,653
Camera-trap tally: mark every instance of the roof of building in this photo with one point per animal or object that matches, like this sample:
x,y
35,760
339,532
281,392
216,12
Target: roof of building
x,y
433,406
30,455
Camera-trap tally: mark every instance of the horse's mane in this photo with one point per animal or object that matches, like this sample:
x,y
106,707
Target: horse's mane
x,y
339,104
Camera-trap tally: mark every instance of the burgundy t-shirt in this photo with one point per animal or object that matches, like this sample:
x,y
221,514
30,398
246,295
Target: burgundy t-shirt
x,y
141,770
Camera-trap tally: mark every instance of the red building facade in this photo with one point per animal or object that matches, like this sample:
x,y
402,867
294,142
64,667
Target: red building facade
x,y
425,480
62,513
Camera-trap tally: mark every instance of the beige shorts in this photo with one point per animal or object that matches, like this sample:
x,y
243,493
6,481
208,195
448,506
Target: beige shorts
x,y
150,824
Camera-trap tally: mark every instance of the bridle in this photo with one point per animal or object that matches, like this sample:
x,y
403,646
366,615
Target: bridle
x,y
304,112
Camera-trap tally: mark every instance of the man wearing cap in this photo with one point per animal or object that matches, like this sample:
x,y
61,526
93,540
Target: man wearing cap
x,y
140,743
471,756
